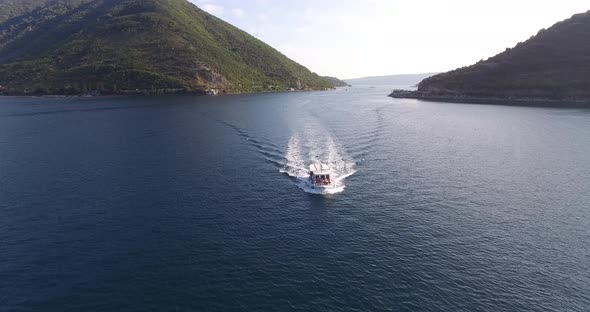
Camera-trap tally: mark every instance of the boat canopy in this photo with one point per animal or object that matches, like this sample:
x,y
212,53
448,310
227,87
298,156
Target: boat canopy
x,y
319,169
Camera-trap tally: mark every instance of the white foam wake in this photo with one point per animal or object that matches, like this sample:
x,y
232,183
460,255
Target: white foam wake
x,y
317,149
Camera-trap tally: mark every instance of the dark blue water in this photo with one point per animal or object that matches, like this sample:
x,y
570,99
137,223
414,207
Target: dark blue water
x,y
196,204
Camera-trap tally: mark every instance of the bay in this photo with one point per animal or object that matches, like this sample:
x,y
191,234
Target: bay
x,y
200,204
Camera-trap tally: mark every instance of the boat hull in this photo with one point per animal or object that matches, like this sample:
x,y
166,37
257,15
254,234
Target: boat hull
x,y
321,186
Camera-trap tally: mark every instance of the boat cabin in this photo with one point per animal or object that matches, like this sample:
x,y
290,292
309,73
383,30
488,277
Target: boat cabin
x,y
319,174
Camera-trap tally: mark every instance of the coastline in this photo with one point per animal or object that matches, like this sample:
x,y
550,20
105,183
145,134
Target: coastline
x,y
187,93
511,101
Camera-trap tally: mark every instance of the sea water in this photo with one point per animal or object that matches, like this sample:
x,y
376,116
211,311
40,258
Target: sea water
x,y
202,204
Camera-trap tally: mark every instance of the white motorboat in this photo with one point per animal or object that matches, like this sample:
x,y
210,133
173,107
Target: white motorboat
x,y
320,176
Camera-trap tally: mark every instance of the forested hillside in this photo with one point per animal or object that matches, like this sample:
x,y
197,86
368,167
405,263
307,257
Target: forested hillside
x,y
125,46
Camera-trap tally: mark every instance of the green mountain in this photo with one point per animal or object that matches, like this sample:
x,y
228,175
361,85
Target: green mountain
x,y
127,46
336,82
553,65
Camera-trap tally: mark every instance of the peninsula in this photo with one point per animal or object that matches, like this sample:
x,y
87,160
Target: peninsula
x,y
551,67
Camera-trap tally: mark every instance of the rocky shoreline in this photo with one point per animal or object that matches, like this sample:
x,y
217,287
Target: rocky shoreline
x,y
515,101
211,92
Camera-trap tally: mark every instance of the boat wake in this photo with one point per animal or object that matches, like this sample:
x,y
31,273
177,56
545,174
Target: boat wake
x,y
302,150
300,153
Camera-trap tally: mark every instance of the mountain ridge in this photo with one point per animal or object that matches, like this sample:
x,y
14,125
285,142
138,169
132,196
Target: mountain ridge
x,y
553,66
137,46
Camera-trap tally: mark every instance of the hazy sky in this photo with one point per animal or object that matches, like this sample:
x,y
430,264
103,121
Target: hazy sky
x,y
350,39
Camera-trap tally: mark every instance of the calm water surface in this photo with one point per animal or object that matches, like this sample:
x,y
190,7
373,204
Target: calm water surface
x,y
198,204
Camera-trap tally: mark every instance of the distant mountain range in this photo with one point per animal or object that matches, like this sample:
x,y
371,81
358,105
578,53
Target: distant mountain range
x,y
392,80
136,46
554,65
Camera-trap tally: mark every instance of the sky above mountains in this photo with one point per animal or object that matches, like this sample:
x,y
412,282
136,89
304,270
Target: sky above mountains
x,y
349,39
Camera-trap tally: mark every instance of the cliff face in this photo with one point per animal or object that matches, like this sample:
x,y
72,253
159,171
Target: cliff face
x,y
553,65
124,46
